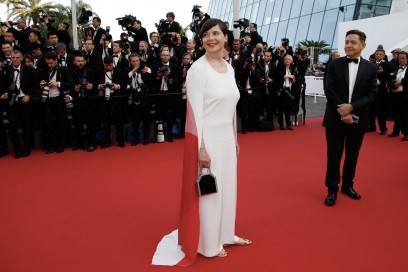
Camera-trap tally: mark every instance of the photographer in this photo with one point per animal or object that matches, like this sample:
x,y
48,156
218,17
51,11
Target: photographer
x,y
85,105
167,84
9,37
288,49
172,26
97,33
250,89
52,42
199,18
21,84
119,57
3,102
22,35
56,84
154,42
147,55
182,107
61,31
267,72
178,49
112,82
64,59
93,58
255,37
140,78
139,32
5,60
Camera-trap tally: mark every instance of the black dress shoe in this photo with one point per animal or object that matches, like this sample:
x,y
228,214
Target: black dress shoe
x,y
351,193
282,128
106,145
17,154
145,141
59,150
181,136
121,144
134,142
25,154
393,134
289,127
76,147
170,139
383,132
405,138
330,199
3,154
90,148
49,151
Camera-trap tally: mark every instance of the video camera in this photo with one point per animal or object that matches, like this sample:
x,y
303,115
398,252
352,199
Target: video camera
x,y
196,10
162,26
84,16
126,20
44,15
241,22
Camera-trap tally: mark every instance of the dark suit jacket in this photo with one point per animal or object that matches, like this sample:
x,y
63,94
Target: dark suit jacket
x,y
337,91
97,39
63,76
27,79
22,37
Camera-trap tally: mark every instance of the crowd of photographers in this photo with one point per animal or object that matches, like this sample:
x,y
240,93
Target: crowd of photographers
x,y
47,86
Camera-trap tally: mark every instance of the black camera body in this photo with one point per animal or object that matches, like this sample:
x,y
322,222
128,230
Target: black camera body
x,y
186,66
285,42
46,91
241,22
162,26
126,20
44,15
84,16
165,70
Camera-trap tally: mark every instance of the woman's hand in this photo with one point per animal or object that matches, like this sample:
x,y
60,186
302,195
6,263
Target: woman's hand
x,y
237,149
204,160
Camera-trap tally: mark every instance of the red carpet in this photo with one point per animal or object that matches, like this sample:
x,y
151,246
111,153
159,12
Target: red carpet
x,y
107,210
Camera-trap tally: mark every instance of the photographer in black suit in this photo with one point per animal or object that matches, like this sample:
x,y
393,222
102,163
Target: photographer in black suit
x,y
61,31
119,57
139,82
64,59
172,26
112,84
56,84
85,105
93,58
139,33
351,85
22,35
97,34
21,84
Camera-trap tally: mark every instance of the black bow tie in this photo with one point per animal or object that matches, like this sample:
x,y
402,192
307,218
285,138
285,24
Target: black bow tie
x,y
115,56
62,58
352,60
16,70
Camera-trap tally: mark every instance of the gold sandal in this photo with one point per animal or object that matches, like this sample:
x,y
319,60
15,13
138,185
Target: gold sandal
x,y
243,242
222,253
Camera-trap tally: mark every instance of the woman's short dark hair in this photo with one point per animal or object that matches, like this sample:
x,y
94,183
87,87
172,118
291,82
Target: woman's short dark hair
x,y
210,23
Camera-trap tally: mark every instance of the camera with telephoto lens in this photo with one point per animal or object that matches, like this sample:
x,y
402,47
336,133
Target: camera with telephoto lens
x,y
6,62
259,50
186,66
126,20
84,16
135,94
285,41
46,91
12,93
108,87
44,15
68,101
164,70
241,22
82,87
162,26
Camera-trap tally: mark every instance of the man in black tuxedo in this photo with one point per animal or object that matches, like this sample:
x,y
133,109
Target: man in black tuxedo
x,y
119,57
21,83
22,35
139,33
56,84
173,26
351,85
3,99
97,34
64,59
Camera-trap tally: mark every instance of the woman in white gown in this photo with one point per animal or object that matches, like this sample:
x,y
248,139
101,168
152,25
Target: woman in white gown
x,y
207,223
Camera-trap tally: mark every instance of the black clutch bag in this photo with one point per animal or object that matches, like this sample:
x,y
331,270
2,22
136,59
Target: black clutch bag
x,y
206,183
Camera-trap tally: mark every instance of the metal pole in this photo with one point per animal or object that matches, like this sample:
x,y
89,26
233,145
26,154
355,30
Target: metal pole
x,y
74,24
236,9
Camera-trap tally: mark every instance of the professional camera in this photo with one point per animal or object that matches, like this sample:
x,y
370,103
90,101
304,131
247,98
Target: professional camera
x,y
82,87
46,91
6,62
164,70
68,101
285,42
241,22
126,20
12,94
84,16
135,94
393,80
108,36
162,26
186,66
108,87
259,50
196,10
44,15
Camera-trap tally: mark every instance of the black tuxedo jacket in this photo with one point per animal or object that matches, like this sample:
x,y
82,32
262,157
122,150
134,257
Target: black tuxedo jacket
x,y
64,76
28,79
118,77
94,61
69,61
89,74
97,39
337,91
272,74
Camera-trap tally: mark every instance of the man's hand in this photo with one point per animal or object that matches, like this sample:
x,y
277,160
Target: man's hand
x,y
344,109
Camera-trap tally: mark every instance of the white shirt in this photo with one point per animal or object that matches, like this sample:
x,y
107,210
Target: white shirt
x,y
53,92
353,69
400,76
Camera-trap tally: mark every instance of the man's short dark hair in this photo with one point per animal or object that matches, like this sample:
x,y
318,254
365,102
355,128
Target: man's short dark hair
x,y
170,14
51,55
255,25
403,53
360,34
7,42
380,50
108,60
51,33
97,19
151,34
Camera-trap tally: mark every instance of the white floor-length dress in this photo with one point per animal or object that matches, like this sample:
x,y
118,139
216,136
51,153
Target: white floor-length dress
x,y
213,97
